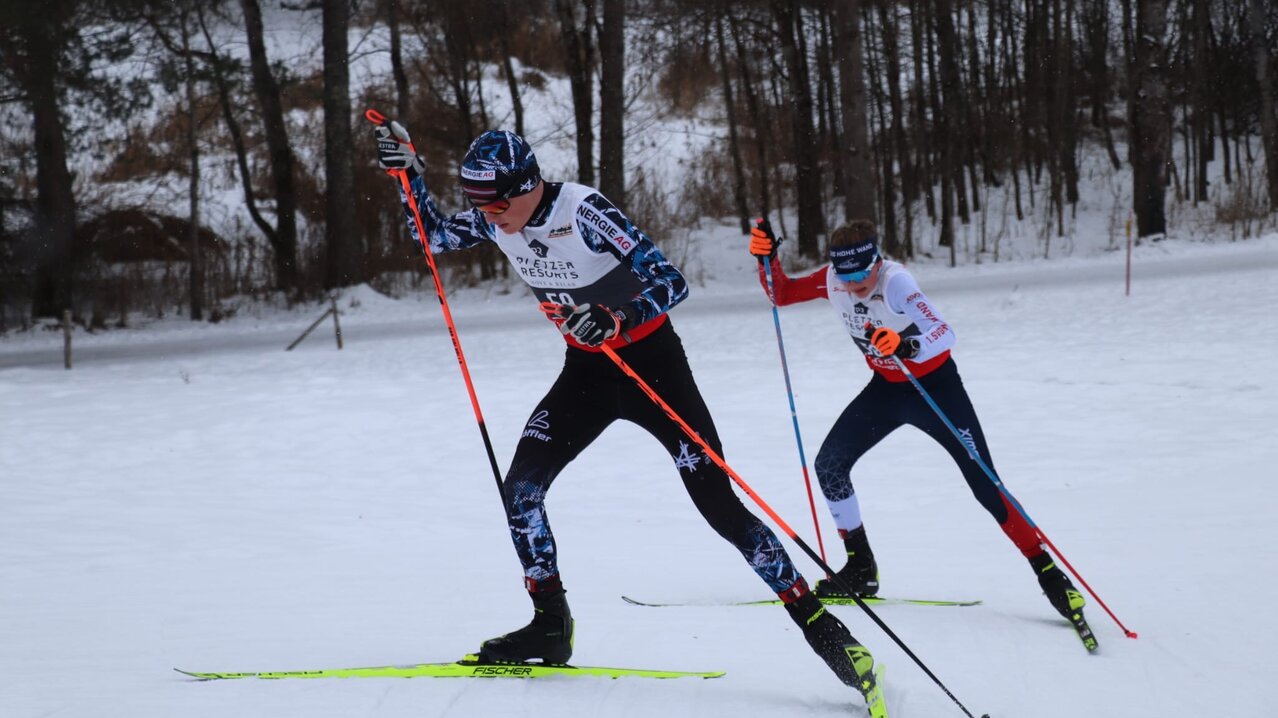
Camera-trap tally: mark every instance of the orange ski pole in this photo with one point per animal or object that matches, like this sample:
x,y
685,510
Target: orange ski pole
x,y
780,522
378,118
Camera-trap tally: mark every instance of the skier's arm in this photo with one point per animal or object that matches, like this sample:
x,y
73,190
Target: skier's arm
x,y
763,247
446,233
786,290
396,154
935,334
606,229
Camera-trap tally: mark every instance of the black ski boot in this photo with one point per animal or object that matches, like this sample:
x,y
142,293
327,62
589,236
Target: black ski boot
x,y
1059,589
861,573
548,637
1064,597
832,641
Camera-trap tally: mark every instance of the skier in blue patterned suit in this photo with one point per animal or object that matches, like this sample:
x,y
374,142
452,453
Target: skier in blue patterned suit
x,y
600,280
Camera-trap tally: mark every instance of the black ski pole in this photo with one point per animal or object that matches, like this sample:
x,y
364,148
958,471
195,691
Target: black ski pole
x,y
785,527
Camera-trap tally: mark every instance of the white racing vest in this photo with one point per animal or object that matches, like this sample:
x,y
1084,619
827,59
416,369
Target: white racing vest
x,y
913,316
555,260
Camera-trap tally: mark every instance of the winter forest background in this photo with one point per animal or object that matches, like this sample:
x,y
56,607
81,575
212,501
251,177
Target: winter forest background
x,y
187,156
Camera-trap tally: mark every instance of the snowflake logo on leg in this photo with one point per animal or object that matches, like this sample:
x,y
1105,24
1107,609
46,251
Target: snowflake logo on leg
x,y
686,460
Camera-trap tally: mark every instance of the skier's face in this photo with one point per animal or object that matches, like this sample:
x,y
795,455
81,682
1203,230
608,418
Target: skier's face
x,y
862,289
519,210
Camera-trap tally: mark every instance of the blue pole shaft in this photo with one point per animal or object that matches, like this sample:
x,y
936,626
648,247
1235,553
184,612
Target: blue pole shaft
x,y
971,450
794,413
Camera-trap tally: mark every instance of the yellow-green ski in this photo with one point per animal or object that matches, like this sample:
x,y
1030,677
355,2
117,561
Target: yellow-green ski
x,y
834,601
467,667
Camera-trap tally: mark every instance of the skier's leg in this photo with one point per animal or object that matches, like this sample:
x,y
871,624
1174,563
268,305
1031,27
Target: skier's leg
x,y
568,418
711,491
869,418
946,389
661,362
832,641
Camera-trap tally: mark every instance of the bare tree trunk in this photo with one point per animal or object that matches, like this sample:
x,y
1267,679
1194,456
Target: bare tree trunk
x,y
284,237
807,173
612,102
919,97
1015,107
830,127
881,147
758,119
31,47
734,144
580,63
1151,125
948,110
457,50
1268,108
858,198
402,96
195,268
512,83
1096,20
1199,79
343,267
974,129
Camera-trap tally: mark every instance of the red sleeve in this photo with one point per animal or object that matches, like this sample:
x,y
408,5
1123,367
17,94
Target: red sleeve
x,y
793,291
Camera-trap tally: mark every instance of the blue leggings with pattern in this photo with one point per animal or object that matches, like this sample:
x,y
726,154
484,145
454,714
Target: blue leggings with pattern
x,y
590,394
882,407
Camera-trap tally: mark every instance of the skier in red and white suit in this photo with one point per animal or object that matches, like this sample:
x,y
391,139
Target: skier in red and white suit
x,y
882,307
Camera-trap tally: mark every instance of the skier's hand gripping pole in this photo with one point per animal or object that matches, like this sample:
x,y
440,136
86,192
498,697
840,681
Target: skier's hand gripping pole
x,y
785,528
387,132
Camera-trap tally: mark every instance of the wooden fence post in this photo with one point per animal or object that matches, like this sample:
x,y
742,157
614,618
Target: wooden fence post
x,y
309,329
66,338
337,327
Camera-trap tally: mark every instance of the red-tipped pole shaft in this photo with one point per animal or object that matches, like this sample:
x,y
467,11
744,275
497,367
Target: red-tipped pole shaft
x,y
378,118
794,413
989,473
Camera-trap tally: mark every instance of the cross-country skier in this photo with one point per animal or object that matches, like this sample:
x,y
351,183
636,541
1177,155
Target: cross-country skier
x,y
600,280
881,305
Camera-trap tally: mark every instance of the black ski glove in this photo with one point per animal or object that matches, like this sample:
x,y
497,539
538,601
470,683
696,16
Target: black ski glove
x,y
591,324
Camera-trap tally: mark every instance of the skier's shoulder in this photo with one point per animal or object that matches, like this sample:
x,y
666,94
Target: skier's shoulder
x,y
580,198
899,285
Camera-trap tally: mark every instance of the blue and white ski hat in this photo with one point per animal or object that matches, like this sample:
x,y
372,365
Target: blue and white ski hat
x,y
499,165
850,261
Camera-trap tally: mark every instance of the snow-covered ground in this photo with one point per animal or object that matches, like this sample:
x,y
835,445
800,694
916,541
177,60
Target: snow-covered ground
x,y
194,496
